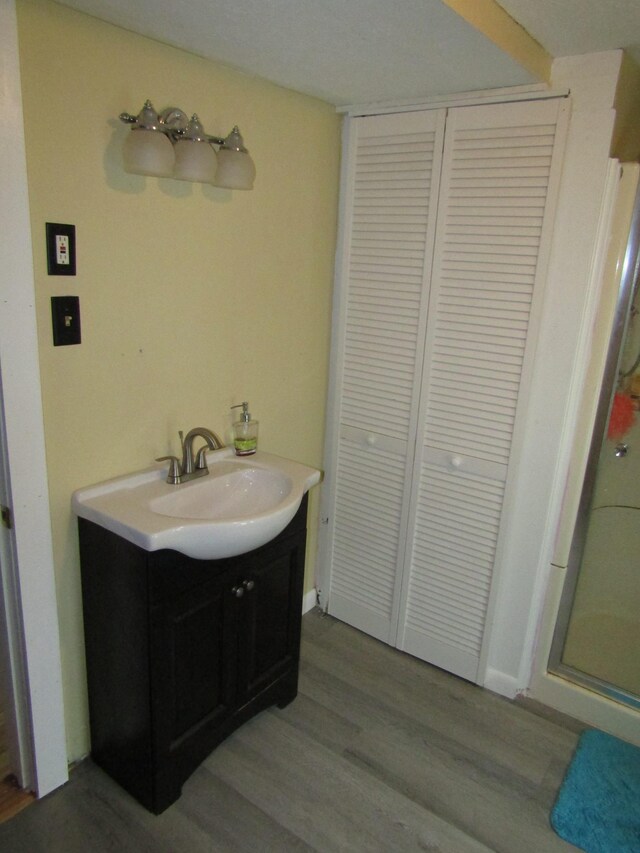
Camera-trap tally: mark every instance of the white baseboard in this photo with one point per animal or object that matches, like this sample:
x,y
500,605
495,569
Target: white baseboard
x,y
309,601
500,683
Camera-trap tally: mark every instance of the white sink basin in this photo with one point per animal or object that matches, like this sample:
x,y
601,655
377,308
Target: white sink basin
x,y
242,503
236,490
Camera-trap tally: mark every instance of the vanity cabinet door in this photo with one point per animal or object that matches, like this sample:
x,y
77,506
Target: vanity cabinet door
x,y
270,613
194,662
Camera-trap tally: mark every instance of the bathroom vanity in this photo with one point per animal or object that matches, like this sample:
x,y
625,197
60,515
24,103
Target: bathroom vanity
x,y
182,651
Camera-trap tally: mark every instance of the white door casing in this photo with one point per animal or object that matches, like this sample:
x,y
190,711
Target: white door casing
x,y
28,574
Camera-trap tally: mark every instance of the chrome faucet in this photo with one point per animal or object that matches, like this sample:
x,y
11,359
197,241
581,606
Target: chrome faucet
x,y
181,472
213,443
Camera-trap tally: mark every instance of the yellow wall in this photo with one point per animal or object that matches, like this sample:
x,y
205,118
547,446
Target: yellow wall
x,y
625,144
192,298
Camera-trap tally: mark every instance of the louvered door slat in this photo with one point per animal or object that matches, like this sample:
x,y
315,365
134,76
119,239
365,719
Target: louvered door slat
x,y
364,570
509,140
388,258
496,171
454,547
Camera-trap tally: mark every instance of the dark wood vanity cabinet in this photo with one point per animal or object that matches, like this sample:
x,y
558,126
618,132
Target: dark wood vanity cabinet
x,y
180,652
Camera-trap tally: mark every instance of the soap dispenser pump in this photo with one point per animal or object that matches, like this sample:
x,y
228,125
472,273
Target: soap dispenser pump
x,y
245,432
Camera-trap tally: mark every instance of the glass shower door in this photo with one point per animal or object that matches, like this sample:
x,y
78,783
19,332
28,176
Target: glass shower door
x,y
603,637
597,640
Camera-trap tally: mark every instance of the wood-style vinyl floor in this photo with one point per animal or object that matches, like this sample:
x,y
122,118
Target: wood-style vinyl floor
x,y
379,752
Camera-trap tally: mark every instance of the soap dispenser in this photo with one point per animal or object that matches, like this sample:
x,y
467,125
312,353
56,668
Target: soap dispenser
x,y
245,432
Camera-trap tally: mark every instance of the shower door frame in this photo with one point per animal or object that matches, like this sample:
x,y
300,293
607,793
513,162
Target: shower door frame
x,y
628,279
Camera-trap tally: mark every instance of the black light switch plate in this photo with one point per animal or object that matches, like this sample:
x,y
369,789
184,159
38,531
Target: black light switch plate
x,y
65,315
61,249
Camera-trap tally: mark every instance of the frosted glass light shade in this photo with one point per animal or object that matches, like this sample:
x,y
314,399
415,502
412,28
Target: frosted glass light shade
x,y
236,170
195,161
148,152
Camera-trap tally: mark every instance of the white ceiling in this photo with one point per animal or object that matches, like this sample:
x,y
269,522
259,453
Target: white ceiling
x,y
357,51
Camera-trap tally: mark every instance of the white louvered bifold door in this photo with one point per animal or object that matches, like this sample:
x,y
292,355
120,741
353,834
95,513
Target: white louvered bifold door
x,y
491,241
388,248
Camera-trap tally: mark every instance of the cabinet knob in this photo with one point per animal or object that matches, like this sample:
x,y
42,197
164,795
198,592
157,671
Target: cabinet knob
x,y
248,585
238,591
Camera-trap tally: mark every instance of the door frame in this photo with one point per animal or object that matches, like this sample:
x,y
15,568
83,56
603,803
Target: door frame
x,y
32,650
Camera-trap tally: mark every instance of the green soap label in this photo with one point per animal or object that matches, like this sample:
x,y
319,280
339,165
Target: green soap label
x,y
245,445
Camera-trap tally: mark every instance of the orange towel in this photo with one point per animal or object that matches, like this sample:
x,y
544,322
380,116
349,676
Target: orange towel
x,y
622,416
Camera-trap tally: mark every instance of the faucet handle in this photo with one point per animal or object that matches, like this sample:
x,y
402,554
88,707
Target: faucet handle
x,y
201,457
175,474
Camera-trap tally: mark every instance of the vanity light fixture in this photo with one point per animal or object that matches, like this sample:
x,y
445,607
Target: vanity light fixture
x,y
171,145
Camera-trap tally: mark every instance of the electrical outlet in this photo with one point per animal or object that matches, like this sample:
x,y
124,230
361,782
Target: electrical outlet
x,y
61,249
65,315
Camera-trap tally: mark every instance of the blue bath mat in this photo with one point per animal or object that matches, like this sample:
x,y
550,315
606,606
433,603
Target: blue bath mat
x,y
598,807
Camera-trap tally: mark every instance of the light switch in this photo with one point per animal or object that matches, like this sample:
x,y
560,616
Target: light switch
x,y
65,315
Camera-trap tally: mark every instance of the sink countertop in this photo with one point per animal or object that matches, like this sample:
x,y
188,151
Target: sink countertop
x,y
123,506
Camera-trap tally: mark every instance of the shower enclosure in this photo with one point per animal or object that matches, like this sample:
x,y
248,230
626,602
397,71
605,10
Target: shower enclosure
x,y
597,637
